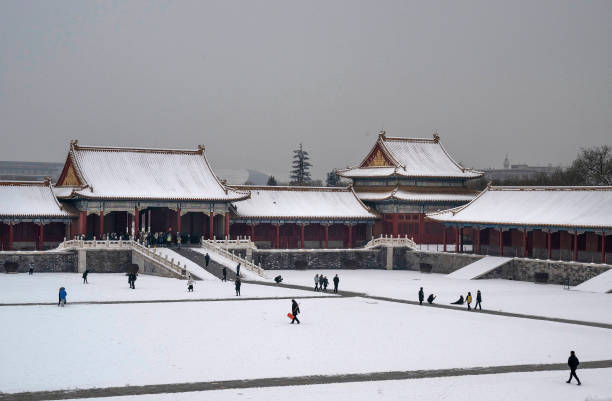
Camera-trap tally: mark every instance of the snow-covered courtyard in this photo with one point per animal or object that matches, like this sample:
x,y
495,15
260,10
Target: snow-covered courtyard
x,y
148,343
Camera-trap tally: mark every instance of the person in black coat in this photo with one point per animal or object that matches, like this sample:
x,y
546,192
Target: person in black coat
x,y
295,310
460,301
224,271
238,270
431,298
573,363
336,281
238,283
421,296
85,273
207,259
478,300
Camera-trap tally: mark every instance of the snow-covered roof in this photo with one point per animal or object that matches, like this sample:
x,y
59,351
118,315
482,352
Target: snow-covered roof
x,y
139,173
30,199
569,207
272,202
412,196
409,157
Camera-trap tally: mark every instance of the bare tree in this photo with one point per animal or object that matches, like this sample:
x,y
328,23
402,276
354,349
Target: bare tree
x,y
594,165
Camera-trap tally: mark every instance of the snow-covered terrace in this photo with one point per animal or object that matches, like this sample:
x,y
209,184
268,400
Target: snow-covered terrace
x,y
585,208
301,203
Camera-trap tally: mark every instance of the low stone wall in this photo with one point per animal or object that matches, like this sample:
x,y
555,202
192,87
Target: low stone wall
x,y
43,262
558,272
321,259
108,261
440,262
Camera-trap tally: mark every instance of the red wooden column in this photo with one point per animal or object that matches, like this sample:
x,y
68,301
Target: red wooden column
x,y
302,235
149,222
477,240
211,220
82,223
41,236
350,236
277,241
456,239
253,232
101,228
524,242
603,247
444,228
501,242
549,247
136,222
421,228
575,245
326,235
11,238
227,224
395,224
178,220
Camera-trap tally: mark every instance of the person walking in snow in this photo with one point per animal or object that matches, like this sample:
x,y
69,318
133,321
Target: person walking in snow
x,y
295,310
321,279
421,296
238,283
190,284
31,270
85,273
325,283
336,282
468,300
573,363
238,270
316,282
207,259
478,300
62,297
224,271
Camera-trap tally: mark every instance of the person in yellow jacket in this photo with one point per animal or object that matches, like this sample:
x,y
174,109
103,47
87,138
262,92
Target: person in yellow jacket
x,y
468,300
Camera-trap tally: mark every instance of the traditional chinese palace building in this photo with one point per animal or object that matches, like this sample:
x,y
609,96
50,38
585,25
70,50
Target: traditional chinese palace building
x,y
405,178
562,223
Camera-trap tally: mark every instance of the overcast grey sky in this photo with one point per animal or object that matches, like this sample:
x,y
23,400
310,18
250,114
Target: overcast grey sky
x,y
252,79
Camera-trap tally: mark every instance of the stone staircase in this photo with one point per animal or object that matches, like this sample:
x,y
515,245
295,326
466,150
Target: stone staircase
x,y
213,268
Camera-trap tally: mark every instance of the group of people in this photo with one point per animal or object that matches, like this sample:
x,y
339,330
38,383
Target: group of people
x,y
467,300
321,282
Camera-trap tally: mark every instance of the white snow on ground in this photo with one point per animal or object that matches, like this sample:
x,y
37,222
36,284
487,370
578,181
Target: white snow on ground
x,y
600,283
505,295
135,344
43,287
478,268
193,268
230,264
534,386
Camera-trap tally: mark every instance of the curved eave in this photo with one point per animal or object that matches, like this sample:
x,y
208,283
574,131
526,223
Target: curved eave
x,y
145,198
339,218
517,224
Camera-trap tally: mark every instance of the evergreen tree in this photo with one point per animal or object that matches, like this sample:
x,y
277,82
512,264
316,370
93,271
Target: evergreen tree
x,y
300,174
332,179
272,181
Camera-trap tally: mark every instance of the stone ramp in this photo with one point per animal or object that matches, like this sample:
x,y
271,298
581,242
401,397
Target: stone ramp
x,y
213,268
479,268
601,283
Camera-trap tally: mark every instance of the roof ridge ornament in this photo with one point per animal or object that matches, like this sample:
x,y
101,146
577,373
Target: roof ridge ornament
x,y
436,136
74,143
201,149
382,134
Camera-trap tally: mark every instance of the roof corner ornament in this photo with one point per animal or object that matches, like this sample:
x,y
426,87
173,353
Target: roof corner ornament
x,y
74,143
382,134
47,180
201,148
436,136
489,184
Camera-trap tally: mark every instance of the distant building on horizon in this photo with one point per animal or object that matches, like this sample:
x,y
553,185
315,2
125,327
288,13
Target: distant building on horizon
x,y
517,171
29,171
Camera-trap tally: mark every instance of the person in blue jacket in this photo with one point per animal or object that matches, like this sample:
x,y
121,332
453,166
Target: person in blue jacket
x,y
62,297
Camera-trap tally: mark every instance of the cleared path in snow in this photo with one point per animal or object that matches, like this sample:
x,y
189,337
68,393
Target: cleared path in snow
x,y
600,283
291,381
479,268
